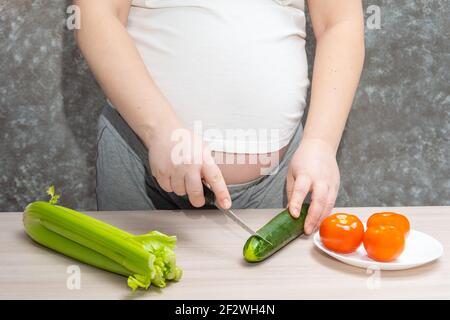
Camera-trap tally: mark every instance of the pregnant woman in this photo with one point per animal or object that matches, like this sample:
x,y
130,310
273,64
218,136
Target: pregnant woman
x,y
213,92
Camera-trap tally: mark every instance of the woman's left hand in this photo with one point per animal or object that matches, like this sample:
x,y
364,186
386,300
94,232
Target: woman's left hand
x,y
314,169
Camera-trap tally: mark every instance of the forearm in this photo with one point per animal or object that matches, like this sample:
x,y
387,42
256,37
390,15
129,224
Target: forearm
x,y
337,69
120,71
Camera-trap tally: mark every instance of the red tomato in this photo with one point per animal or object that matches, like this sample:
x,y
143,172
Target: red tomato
x,y
384,243
342,232
389,219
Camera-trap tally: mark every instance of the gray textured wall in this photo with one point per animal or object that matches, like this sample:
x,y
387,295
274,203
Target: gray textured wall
x,y
395,149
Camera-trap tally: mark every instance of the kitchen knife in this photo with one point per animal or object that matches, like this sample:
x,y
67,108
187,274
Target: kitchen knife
x,y
211,199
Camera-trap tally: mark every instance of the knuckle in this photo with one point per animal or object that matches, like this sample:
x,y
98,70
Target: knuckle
x,y
164,173
195,193
302,175
215,177
179,169
193,175
323,183
315,216
301,189
329,204
177,185
304,179
320,200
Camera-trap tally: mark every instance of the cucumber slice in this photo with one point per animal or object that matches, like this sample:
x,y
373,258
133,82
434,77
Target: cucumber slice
x,y
279,231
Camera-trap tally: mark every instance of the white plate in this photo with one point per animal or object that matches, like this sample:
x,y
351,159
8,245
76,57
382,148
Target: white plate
x,y
420,249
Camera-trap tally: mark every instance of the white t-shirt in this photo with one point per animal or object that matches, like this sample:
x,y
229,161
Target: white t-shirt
x,y
235,71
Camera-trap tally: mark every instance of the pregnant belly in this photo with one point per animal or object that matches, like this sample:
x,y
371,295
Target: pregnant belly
x,y
246,167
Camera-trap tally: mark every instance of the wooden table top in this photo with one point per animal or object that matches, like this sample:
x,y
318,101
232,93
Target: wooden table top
x,y
209,251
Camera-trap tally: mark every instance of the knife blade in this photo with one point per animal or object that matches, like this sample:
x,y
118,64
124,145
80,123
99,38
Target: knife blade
x,y
210,199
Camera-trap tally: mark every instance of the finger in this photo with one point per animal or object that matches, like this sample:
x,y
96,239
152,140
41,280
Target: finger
x,y
318,200
194,189
213,176
289,184
329,206
177,183
302,185
331,200
163,181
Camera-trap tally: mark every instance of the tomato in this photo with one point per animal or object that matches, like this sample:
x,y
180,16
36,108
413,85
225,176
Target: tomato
x,y
342,232
384,243
389,219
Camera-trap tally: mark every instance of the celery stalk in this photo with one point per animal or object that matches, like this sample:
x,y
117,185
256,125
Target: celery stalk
x,y
146,259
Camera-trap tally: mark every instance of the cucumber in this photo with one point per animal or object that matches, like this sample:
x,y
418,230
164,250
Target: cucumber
x,y
279,231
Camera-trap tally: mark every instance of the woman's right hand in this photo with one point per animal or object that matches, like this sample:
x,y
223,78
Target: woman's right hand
x,y
180,160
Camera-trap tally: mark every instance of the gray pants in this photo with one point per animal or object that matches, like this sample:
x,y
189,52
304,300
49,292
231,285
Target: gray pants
x,y
125,182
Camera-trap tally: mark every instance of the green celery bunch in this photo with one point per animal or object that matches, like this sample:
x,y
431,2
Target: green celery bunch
x,y
145,259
